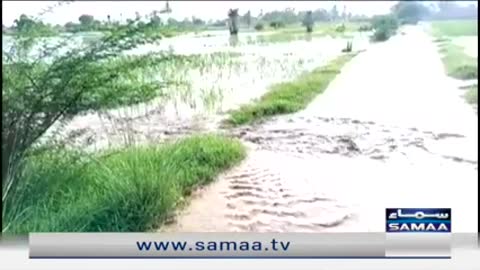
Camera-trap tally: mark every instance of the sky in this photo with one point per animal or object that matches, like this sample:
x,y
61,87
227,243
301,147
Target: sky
x,y
180,9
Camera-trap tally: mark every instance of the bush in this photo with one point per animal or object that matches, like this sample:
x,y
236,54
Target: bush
x,y
259,26
276,24
384,26
340,28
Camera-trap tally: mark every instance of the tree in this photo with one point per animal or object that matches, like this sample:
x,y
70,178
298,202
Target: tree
x,y
308,21
86,20
39,92
233,21
248,19
409,12
334,13
24,23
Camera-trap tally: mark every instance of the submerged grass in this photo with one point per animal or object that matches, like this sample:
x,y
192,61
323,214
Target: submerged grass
x,y
125,191
289,97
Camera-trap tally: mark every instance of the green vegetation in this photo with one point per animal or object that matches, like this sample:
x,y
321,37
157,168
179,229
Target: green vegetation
x,y
25,26
410,12
384,27
458,64
289,97
259,27
472,94
131,190
455,28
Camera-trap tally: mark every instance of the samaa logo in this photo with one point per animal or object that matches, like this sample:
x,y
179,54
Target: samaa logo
x,y
418,220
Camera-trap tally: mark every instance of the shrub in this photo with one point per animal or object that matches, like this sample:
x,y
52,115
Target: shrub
x,y
277,24
384,26
340,28
259,26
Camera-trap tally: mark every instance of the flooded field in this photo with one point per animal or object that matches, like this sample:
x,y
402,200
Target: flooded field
x,y
390,131
226,74
386,133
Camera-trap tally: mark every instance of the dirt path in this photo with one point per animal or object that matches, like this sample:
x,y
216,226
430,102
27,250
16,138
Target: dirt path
x,y
390,131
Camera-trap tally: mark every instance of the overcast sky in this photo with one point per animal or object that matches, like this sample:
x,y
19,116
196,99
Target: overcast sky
x,y
181,9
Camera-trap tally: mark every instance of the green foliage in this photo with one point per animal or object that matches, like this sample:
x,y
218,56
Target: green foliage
x,y
38,93
131,190
458,64
340,28
259,26
455,28
384,27
25,26
86,20
277,24
472,95
289,97
409,12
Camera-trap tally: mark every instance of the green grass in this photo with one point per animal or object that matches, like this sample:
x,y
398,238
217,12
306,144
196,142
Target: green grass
x,y
471,96
457,63
131,190
289,97
455,28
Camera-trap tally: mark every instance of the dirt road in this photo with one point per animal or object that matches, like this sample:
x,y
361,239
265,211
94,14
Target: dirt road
x,y
390,131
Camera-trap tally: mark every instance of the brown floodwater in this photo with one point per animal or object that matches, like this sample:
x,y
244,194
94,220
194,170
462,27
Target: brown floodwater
x,y
391,131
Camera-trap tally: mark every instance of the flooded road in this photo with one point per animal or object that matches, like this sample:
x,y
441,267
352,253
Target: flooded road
x,y
390,131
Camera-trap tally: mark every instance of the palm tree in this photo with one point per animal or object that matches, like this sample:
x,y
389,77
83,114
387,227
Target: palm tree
x,y
233,21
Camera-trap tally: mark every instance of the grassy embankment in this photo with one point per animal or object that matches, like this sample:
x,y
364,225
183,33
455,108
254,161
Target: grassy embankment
x,y
132,190
458,64
289,97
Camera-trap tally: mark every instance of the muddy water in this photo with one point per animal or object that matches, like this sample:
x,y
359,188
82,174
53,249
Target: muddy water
x,y
210,91
390,131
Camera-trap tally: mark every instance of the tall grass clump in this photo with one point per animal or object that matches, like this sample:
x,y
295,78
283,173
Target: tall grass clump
x,y
129,190
289,97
